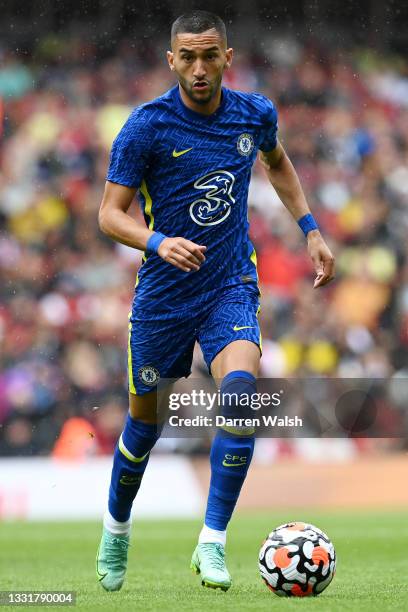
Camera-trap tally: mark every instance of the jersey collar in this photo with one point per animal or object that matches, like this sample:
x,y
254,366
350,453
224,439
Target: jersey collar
x,y
199,116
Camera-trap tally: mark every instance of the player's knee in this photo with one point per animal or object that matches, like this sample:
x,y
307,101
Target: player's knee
x,y
138,438
150,432
237,389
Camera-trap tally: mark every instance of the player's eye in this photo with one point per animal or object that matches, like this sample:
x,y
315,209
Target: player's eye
x,y
187,58
211,56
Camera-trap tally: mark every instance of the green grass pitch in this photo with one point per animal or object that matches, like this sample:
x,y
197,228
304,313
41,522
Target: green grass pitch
x,y
372,568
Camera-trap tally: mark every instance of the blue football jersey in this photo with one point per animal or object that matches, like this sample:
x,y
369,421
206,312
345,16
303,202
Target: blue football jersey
x,y
193,172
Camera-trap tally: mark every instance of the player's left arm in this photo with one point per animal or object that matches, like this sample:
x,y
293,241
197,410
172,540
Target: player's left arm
x,y
284,179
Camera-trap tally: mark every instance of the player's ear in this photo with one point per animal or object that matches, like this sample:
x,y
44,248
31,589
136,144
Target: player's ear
x,y
170,59
229,54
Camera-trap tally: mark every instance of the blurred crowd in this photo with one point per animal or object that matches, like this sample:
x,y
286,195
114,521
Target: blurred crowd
x,y
65,289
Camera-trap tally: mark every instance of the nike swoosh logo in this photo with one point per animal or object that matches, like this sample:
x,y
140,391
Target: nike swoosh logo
x,y
236,328
98,573
232,464
178,153
101,576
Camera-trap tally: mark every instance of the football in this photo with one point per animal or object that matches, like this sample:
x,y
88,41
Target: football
x,y
296,560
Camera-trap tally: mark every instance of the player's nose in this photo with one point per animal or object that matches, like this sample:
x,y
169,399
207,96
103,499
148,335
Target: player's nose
x,y
199,71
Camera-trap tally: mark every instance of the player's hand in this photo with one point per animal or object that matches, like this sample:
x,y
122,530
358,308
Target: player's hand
x,y
182,253
321,257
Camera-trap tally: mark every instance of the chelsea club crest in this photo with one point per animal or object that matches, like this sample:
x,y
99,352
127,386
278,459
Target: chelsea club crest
x,y
148,375
245,144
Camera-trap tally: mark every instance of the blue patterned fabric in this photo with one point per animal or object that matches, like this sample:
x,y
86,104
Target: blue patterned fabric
x,y
230,455
193,173
164,347
129,464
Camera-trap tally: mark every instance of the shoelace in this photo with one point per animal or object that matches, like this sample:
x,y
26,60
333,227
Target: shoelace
x,y
116,549
216,555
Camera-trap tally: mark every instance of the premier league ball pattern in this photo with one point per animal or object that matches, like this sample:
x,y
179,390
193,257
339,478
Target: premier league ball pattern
x,y
296,560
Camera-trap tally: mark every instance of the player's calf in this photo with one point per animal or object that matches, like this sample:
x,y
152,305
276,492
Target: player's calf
x,y
129,464
130,461
231,455
231,452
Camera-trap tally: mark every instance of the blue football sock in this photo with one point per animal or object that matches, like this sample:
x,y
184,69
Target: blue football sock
x,y
230,455
129,463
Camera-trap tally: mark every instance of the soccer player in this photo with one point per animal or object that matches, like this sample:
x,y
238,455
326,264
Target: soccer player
x,y
190,153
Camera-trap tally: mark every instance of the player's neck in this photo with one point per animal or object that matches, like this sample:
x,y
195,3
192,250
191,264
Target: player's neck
x,y
203,109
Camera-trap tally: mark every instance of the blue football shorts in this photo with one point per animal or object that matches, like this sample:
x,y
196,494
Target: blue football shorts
x,y
162,347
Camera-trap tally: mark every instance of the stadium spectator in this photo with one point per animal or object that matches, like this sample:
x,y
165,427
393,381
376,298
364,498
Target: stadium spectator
x,y
64,288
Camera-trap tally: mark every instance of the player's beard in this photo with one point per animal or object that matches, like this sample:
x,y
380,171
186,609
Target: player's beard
x,y
213,88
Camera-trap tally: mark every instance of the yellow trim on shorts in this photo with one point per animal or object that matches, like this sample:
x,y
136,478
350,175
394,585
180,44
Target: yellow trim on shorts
x,y
132,387
260,335
254,260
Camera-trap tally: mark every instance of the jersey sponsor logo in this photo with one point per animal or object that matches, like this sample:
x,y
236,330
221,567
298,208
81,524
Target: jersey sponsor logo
x,y
215,205
236,328
178,153
148,375
245,144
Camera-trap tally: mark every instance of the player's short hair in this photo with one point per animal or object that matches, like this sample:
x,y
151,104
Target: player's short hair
x,y
197,21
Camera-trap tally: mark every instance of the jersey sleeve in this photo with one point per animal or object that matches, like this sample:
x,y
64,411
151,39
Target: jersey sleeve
x,y
269,140
130,151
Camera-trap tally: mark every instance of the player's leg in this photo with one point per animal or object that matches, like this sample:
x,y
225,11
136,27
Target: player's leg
x,y
234,363
164,357
235,369
141,431
243,355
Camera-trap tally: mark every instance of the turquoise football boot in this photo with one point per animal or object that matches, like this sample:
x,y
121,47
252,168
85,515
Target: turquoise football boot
x,y
111,560
209,561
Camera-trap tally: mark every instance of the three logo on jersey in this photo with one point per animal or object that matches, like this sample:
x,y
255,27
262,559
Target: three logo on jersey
x,y
214,206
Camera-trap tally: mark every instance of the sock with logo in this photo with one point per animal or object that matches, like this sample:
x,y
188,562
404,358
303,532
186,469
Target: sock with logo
x,y
129,463
230,457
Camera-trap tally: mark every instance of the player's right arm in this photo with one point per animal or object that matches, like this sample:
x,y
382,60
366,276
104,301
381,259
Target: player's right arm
x,y
115,222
